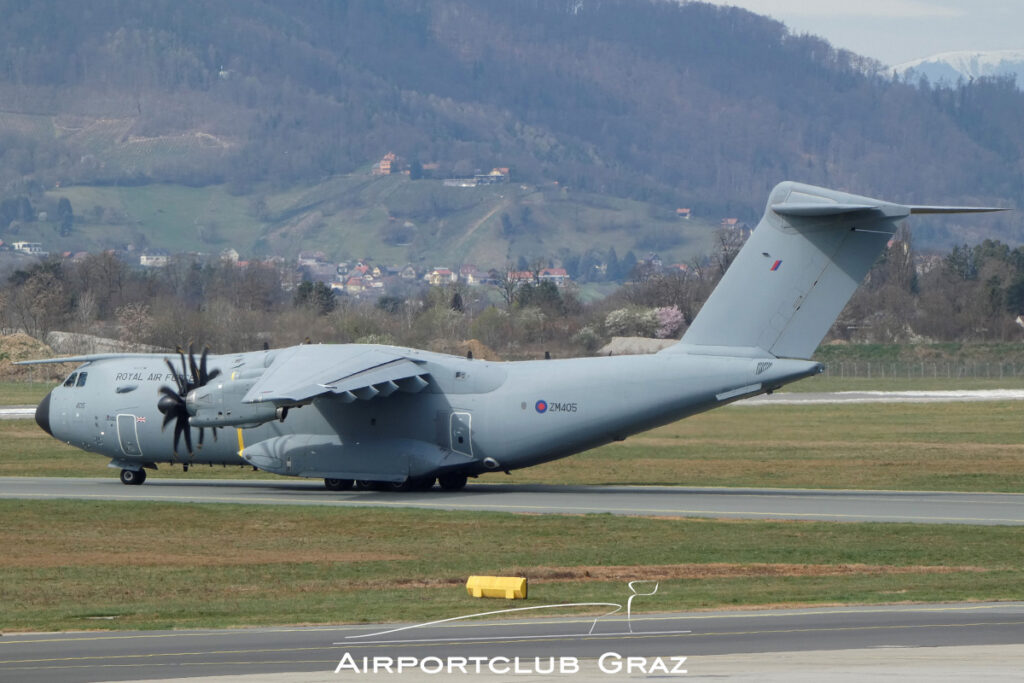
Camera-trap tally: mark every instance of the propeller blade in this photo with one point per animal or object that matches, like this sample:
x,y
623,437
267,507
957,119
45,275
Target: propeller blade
x,y
174,373
203,377
188,435
194,368
184,372
177,434
201,438
169,393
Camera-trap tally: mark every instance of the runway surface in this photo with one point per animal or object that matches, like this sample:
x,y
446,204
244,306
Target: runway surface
x,y
17,412
152,655
910,396
660,501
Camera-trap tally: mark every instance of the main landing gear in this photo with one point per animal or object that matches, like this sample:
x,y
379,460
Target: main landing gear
x,y
448,482
133,477
452,482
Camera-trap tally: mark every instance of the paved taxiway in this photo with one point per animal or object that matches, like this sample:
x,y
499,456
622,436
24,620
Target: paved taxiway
x,y
95,656
662,501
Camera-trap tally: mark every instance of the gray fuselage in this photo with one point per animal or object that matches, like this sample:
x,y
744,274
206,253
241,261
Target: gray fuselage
x,y
473,417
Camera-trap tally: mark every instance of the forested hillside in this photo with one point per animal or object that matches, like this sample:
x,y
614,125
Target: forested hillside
x,y
675,105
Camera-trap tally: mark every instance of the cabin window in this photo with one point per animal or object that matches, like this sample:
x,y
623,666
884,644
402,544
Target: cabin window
x,y
70,381
81,379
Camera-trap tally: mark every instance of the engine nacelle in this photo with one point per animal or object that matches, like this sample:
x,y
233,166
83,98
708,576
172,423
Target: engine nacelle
x,y
219,404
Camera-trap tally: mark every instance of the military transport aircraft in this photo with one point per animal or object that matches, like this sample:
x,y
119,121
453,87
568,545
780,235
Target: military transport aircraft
x,y
392,416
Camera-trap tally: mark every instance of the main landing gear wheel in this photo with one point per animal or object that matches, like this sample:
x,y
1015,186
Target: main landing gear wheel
x,y
413,484
133,477
452,482
338,484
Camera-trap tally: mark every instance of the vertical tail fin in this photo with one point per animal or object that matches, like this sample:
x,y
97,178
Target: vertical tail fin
x,y
802,263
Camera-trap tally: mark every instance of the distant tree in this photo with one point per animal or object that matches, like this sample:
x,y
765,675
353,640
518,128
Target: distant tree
x,y
316,296
25,211
543,295
390,304
626,267
960,261
415,170
15,209
65,216
507,284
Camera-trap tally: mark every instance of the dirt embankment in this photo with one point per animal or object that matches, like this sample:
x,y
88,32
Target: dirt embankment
x,y
18,347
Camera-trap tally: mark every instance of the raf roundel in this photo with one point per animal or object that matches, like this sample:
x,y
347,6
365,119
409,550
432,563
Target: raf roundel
x,y
542,406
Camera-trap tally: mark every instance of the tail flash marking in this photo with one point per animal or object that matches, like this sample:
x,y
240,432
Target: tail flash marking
x,y
775,266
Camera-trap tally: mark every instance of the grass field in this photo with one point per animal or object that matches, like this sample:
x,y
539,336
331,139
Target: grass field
x,y
72,564
928,446
23,393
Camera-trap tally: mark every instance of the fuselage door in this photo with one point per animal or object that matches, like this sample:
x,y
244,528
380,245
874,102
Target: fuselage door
x,y
460,428
127,435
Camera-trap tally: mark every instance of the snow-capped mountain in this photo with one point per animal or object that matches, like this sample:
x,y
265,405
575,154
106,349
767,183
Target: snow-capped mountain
x,y
949,67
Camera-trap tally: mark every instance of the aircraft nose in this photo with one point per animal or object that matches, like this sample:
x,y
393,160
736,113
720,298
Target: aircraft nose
x,y
43,415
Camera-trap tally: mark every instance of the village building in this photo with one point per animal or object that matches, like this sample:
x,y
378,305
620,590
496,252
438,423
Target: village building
x,y
558,276
469,274
440,276
153,259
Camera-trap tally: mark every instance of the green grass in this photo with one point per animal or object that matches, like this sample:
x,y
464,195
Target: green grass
x,y
23,393
927,446
158,565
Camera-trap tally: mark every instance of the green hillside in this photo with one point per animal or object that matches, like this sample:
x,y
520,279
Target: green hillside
x,y
390,219
658,102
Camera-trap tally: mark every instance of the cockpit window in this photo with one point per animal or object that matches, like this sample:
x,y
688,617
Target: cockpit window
x,y
81,379
70,381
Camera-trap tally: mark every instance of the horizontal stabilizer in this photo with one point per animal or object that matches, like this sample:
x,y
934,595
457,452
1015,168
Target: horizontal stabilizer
x,y
808,209
954,209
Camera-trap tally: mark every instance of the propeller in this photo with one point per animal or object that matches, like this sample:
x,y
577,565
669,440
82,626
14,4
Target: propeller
x,y
172,400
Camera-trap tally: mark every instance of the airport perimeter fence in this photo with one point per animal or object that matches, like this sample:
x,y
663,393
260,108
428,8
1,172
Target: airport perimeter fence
x,y
924,369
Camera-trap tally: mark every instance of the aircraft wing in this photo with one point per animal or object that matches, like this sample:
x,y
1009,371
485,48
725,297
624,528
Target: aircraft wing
x,y
351,372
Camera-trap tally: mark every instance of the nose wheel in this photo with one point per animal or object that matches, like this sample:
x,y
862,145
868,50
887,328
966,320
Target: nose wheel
x,y
133,477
